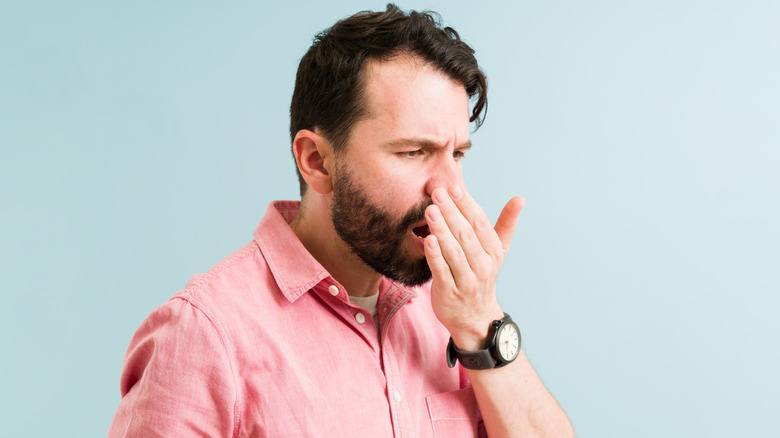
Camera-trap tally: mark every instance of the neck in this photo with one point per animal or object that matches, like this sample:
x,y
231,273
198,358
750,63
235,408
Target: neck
x,y
319,237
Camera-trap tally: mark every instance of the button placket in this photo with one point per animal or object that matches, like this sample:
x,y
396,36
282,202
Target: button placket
x,y
399,412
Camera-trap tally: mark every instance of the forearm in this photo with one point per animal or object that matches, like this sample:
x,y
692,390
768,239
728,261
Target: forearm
x,y
515,403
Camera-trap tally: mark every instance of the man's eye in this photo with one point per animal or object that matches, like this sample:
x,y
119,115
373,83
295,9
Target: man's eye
x,y
412,154
458,154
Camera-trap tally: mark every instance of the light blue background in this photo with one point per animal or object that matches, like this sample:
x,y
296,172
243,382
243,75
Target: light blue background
x,y
142,141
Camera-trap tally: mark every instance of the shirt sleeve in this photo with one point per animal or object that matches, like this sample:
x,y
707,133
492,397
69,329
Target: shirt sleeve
x,y
178,377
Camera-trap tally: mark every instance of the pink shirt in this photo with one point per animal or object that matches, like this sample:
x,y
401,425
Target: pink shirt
x,y
267,343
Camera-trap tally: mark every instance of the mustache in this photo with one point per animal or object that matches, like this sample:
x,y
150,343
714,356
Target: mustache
x,y
415,214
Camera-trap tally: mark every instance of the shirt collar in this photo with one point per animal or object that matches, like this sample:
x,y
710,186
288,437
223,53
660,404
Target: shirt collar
x,y
293,267
295,270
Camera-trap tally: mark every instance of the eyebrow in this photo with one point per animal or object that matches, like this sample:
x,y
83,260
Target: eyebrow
x,y
425,143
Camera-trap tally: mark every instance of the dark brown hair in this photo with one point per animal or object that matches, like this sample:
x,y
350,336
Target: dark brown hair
x,y
328,87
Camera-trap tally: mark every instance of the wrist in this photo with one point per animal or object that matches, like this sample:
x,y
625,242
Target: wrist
x,y
474,336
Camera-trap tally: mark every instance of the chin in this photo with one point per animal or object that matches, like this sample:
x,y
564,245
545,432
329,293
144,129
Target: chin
x,y
413,273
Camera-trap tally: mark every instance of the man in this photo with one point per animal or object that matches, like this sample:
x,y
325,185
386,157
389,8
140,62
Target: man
x,y
278,340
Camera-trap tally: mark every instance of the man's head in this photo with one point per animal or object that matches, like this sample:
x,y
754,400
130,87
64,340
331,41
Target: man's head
x,y
386,122
329,94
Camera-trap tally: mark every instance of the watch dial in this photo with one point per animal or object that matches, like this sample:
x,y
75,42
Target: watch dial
x,y
509,342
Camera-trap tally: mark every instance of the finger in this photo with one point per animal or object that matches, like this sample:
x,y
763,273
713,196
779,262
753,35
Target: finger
x,y
451,250
440,270
507,221
459,227
477,219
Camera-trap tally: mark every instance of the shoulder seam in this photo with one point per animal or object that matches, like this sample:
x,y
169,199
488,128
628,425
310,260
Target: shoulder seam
x,y
217,270
203,309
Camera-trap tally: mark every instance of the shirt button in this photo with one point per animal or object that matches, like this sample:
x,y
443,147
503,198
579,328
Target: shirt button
x,y
360,318
397,396
333,290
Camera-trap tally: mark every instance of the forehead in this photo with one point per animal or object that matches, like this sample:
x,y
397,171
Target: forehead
x,y
407,97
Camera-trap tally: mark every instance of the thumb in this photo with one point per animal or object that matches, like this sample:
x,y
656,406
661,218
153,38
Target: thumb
x,y
507,221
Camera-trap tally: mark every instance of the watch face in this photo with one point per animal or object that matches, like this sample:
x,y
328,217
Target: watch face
x,y
508,342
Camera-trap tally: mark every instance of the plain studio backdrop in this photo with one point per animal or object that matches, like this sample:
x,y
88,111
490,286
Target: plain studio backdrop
x,y
142,141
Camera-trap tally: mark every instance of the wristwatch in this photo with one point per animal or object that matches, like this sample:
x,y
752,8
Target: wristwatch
x,y
502,347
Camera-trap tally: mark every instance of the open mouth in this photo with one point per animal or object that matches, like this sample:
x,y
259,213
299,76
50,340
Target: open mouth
x,y
422,231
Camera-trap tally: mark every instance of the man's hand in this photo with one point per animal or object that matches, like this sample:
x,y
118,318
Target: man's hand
x,y
465,254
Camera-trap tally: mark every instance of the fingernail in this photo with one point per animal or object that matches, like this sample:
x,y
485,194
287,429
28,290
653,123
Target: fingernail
x,y
441,196
456,192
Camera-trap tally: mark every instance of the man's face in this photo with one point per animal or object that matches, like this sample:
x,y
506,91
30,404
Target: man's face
x,y
411,142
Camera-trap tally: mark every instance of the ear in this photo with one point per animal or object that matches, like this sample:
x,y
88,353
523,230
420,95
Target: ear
x,y
314,156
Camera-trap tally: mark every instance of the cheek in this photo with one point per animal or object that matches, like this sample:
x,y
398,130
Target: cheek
x,y
402,193
395,184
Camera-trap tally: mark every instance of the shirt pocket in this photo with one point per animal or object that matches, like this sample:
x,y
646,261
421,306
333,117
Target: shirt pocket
x,y
454,414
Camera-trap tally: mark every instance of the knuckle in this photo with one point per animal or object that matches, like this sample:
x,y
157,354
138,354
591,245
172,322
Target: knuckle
x,y
463,235
457,252
481,224
441,271
495,250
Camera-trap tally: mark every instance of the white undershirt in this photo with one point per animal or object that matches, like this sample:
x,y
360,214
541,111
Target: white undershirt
x,y
368,303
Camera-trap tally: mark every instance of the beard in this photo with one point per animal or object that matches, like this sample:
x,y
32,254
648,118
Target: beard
x,y
374,235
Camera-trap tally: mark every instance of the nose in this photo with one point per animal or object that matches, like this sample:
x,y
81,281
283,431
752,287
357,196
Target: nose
x,y
444,172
